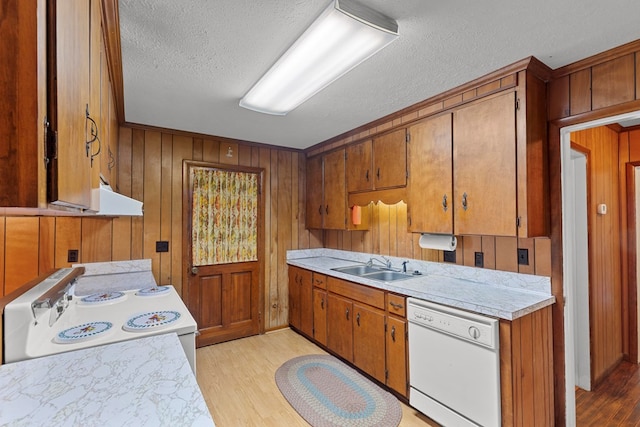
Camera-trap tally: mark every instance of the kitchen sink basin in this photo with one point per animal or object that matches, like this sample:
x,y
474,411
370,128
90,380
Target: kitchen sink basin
x,y
357,270
374,273
387,276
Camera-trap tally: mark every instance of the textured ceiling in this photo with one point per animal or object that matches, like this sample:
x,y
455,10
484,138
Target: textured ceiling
x,y
187,63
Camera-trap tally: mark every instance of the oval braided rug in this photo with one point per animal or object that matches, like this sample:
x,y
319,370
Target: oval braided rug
x,y
327,392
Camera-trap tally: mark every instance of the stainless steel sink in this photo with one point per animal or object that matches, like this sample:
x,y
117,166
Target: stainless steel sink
x,y
357,270
387,276
374,273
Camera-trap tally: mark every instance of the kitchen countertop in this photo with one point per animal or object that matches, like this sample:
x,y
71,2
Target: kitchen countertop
x,y
139,382
494,293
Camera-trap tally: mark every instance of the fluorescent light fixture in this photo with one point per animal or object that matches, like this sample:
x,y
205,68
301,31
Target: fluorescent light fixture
x,y
343,36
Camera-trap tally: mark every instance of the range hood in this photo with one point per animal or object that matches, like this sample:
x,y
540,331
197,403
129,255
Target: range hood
x,y
105,201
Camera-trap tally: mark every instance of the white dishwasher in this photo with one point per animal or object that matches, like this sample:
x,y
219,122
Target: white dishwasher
x,y
454,365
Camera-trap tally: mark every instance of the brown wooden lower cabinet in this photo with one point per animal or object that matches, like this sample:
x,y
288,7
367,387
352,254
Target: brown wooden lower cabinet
x,y
396,349
369,340
340,326
301,300
320,316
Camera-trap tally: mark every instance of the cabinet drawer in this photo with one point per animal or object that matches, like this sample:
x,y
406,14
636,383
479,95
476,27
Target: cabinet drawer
x,y
356,292
396,304
320,280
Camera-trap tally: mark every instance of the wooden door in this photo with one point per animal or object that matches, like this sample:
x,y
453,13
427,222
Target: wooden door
x,y
369,341
223,211
359,175
315,206
430,176
396,341
339,326
390,160
69,92
335,192
484,167
320,315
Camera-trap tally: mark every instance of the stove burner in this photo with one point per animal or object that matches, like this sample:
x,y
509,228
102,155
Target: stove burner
x,y
153,291
152,320
103,297
83,332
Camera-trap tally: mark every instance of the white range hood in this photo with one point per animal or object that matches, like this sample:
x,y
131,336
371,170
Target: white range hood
x,y
105,201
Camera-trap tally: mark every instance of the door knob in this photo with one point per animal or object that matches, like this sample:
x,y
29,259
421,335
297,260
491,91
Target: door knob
x,y
194,270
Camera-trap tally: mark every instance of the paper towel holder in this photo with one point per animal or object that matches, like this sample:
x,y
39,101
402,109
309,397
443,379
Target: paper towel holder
x,y
445,242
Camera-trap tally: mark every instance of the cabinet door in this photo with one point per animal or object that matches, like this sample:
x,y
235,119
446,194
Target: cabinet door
x,y
368,341
95,91
306,303
320,315
294,296
71,181
339,326
359,164
390,160
335,193
484,167
396,340
430,176
315,206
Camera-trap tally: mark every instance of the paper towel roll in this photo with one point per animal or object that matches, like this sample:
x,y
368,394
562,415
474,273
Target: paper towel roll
x,y
443,242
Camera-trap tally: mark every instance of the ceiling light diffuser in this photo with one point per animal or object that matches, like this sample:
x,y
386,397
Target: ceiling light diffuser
x,y
343,36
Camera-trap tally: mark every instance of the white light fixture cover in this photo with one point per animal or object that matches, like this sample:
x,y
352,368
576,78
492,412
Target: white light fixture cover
x,y
343,36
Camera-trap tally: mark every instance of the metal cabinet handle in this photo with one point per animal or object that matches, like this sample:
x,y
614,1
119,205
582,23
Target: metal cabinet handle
x,y
347,314
366,175
444,203
378,174
393,333
464,201
326,209
358,319
396,305
320,210
322,303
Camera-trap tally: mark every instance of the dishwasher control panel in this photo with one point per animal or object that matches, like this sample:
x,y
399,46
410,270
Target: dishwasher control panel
x,y
460,324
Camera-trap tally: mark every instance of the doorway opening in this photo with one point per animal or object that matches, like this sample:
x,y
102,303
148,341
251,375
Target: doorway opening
x,y
574,163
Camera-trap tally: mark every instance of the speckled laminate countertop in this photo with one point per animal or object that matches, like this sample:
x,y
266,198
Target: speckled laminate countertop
x,y
141,382
494,293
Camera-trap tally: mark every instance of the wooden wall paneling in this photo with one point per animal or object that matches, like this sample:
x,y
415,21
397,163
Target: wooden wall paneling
x,y
284,229
634,143
613,82
637,75
405,240
558,103
68,236
304,241
271,304
393,230
543,257
295,205
152,199
21,251
384,229
580,89
182,149
527,372
529,245
626,233
472,244
166,185
196,154
210,150
95,239
121,247
137,191
2,257
46,250
489,251
244,155
375,228
507,254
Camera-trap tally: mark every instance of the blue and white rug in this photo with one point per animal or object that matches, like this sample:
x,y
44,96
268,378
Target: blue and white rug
x,y
327,392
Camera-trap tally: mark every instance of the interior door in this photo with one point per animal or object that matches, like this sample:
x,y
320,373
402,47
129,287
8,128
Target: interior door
x,y
224,211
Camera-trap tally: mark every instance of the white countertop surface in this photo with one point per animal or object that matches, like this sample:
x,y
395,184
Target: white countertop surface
x,y
498,294
140,382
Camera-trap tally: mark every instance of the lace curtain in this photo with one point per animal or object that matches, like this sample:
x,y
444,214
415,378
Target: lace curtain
x,y
225,216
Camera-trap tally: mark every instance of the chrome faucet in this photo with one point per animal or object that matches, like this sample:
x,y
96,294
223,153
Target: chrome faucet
x,y
386,263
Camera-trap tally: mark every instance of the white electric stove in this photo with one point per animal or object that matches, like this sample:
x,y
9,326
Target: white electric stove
x,y
52,318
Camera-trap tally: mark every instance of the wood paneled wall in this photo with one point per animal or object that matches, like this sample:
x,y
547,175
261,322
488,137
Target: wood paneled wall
x,y
605,272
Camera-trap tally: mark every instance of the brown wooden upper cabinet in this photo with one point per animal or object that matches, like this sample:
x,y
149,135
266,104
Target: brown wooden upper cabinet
x,y
481,170
378,163
326,191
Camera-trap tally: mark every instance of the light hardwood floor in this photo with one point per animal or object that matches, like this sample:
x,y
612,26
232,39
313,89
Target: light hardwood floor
x,y
237,381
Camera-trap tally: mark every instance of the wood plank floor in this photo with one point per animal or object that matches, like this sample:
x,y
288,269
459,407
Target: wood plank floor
x,y
237,381
614,402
